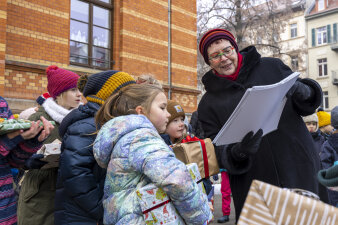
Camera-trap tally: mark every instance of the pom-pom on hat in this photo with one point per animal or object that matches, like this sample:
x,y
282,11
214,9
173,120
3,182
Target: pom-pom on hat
x,y
175,110
214,35
60,80
98,87
324,118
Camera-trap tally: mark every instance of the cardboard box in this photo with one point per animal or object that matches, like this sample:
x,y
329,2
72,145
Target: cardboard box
x,y
200,152
268,204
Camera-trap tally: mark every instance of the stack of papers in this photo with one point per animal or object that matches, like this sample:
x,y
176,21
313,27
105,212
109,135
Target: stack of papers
x,y
260,108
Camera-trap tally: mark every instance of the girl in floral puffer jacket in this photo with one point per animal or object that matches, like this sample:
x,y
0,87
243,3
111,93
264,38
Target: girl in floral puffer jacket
x,y
130,147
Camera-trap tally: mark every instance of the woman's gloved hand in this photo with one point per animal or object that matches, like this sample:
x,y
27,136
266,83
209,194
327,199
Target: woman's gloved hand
x,y
34,162
248,146
300,92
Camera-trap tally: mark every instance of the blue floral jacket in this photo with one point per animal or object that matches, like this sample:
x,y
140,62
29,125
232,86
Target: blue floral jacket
x,y
134,154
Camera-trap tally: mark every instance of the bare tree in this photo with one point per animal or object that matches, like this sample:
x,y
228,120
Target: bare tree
x,y
253,22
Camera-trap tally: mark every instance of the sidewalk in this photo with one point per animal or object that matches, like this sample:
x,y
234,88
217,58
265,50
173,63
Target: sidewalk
x,y
218,207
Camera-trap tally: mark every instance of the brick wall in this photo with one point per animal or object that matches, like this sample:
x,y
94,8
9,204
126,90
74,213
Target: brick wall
x,y
3,22
37,35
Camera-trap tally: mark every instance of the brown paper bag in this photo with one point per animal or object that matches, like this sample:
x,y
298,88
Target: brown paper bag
x,y
200,152
268,204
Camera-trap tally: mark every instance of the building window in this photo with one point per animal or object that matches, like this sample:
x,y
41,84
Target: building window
x,y
325,100
320,5
294,62
322,67
293,29
90,33
321,35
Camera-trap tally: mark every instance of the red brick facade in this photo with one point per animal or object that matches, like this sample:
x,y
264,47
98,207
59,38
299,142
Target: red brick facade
x,y
37,35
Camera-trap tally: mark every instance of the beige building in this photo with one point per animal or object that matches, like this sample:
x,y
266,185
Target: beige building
x,y
289,38
321,23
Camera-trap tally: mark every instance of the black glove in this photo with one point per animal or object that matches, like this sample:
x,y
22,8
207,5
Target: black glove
x,y
248,146
215,177
34,162
300,92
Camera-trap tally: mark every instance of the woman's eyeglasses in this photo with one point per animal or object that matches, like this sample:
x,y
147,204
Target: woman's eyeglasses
x,y
218,55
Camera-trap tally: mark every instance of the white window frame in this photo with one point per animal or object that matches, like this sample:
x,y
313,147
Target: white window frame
x,y
321,5
293,30
322,67
325,101
321,35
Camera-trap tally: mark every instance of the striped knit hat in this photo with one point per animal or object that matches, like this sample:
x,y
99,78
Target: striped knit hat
x,y
98,87
60,80
214,35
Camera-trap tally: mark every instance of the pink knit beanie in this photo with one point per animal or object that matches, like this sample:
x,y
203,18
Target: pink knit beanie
x,y
60,80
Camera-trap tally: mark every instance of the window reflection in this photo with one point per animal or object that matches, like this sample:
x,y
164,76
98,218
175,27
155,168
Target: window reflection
x,y
90,33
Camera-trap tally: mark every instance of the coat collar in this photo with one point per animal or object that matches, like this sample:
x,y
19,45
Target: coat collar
x,y
82,112
213,83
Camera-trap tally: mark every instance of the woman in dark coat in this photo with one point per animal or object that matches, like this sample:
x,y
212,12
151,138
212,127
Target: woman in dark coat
x,y
285,157
80,179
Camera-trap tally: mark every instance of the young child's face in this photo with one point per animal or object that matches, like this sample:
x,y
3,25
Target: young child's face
x,y
311,126
158,114
175,128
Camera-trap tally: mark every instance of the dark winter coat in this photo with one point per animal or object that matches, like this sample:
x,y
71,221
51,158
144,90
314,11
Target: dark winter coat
x,y
38,186
328,158
318,140
80,179
286,157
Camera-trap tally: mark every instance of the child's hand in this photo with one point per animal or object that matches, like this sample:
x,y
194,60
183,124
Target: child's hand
x,y
47,129
32,131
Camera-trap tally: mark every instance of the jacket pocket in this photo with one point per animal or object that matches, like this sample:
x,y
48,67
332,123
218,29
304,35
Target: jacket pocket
x,y
31,186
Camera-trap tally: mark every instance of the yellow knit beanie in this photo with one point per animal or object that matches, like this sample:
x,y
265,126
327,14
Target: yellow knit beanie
x,y
324,118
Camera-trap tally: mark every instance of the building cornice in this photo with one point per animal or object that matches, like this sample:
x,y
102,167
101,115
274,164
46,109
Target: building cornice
x,y
321,14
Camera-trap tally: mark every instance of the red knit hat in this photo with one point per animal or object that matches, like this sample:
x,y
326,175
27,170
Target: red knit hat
x,y
214,35
60,80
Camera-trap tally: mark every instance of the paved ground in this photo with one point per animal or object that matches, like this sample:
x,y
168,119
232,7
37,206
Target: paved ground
x,y
218,208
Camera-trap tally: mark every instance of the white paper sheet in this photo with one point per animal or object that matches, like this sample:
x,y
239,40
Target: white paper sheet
x,y
260,107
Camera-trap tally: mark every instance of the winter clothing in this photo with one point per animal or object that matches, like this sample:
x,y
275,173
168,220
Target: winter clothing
x,y
248,146
311,118
135,155
5,111
329,157
60,80
175,110
226,193
34,162
286,157
334,117
80,180
196,126
38,186
318,140
211,36
329,177
324,118
42,98
98,87
78,167
13,153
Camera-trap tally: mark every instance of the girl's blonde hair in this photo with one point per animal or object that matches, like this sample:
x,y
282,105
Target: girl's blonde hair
x,y
126,100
